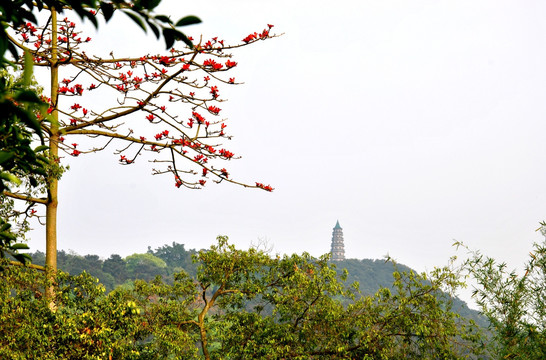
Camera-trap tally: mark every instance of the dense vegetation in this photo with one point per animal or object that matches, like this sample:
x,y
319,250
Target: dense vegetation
x,y
167,260
239,304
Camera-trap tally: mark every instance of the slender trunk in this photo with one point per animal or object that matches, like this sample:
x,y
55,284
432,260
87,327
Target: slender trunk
x,y
203,332
52,201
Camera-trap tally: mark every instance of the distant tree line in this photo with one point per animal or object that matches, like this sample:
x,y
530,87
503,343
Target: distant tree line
x,y
114,271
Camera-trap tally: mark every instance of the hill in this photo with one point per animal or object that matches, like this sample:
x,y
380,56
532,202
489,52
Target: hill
x,y
372,275
170,259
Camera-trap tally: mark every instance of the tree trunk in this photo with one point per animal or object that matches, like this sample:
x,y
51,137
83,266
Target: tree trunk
x,y
52,181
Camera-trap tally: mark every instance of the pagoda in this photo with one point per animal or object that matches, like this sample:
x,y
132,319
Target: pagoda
x,y
338,248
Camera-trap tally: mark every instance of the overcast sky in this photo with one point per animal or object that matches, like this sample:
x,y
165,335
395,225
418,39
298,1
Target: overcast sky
x,y
413,123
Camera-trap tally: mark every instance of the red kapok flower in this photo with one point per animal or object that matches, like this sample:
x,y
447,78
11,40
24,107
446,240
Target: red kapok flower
x,y
265,187
230,64
198,117
214,110
226,154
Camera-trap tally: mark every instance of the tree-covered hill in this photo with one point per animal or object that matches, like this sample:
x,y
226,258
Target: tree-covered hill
x,y
372,275
170,259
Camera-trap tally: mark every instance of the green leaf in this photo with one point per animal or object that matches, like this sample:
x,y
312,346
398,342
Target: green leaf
x,y
170,37
22,258
28,96
107,10
19,246
188,20
41,148
154,29
29,120
136,19
7,235
5,156
150,4
185,39
5,227
27,72
10,177
164,19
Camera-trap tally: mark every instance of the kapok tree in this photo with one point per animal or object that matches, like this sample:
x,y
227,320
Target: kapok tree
x,y
163,107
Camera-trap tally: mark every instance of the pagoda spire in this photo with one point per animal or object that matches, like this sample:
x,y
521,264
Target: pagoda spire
x,y
338,247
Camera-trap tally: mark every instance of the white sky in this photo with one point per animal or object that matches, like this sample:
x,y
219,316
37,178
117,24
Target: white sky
x,y
412,122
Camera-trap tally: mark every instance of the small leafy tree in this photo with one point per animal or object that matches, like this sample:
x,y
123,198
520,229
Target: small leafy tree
x,y
165,107
515,304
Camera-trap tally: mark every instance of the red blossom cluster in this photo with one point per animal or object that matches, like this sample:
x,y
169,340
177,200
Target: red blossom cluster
x,y
76,89
255,36
213,64
214,92
230,64
178,181
160,136
265,187
214,109
226,154
200,158
200,119
166,61
183,142
124,160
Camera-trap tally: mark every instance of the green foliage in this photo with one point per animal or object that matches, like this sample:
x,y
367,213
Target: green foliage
x,y
373,275
86,325
514,303
241,304
176,257
19,160
145,266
